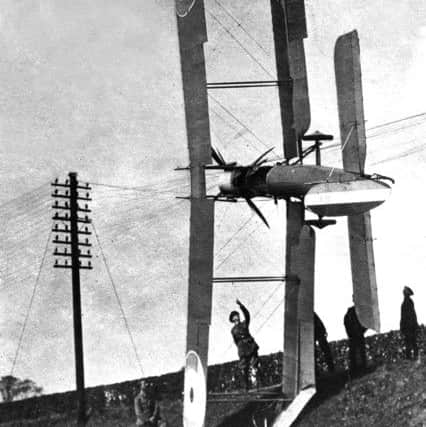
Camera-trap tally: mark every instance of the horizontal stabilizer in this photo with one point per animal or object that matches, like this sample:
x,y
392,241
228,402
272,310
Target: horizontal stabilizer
x,y
363,271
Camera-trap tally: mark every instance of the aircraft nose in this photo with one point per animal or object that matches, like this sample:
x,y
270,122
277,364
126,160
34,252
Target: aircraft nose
x,y
225,183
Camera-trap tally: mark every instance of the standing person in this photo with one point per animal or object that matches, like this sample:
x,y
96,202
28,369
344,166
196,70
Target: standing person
x,y
247,346
320,337
355,332
147,409
408,324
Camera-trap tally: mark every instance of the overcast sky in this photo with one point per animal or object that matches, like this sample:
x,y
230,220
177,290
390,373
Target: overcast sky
x,y
95,87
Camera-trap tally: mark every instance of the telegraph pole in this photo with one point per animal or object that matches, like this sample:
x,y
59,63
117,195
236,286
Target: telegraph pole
x,y
71,194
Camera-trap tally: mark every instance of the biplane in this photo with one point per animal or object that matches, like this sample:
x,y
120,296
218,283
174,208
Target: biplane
x,y
326,191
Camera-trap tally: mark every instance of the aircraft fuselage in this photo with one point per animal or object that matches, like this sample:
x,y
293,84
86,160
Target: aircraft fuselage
x,y
325,190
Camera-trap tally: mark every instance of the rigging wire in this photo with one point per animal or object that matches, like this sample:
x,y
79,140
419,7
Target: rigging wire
x,y
118,301
27,315
234,234
238,120
240,25
397,121
241,44
267,319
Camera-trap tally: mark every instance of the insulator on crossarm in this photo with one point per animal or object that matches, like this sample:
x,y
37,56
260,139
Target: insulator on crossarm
x,y
57,237
56,180
66,204
56,262
66,262
87,185
56,226
56,203
86,240
65,250
56,191
66,238
56,251
86,229
66,227
67,181
90,264
86,206
88,252
67,193
87,195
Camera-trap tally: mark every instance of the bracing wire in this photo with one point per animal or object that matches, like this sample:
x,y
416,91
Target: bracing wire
x,y
27,315
240,44
271,314
240,25
126,323
403,119
238,120
234,235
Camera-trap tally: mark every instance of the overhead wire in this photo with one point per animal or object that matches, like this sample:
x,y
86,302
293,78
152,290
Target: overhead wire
x,y
126,323
30,192
27,315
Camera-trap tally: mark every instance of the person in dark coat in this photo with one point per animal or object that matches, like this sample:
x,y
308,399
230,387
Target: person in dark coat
x,y
355,332
247,346
408,325
320,337
147,409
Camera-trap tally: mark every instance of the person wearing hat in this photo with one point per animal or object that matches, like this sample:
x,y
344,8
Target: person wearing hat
x,y
247,346
408,324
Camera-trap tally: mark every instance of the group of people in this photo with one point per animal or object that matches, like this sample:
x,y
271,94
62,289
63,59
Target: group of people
x,y
147,408
248,348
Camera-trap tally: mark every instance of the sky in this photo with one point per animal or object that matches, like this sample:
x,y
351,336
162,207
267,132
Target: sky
x,y
95,87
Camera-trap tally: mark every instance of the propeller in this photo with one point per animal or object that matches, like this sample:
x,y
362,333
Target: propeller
x,y
254,208
249,170
258,161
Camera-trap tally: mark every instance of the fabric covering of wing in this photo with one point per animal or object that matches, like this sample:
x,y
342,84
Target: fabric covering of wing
x,y
289,27
192,35
352,134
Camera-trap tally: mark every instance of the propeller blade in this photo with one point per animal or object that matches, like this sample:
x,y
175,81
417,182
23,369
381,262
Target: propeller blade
x,y
257,211
256,162
217,158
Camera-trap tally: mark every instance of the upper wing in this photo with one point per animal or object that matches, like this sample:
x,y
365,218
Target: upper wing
x,y
289,27
192,35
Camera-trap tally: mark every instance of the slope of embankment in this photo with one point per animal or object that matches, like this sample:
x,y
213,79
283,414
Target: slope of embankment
x,y
391,393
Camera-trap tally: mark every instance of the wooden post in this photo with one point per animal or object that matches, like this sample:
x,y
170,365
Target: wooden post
x,y
70,204
76,298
